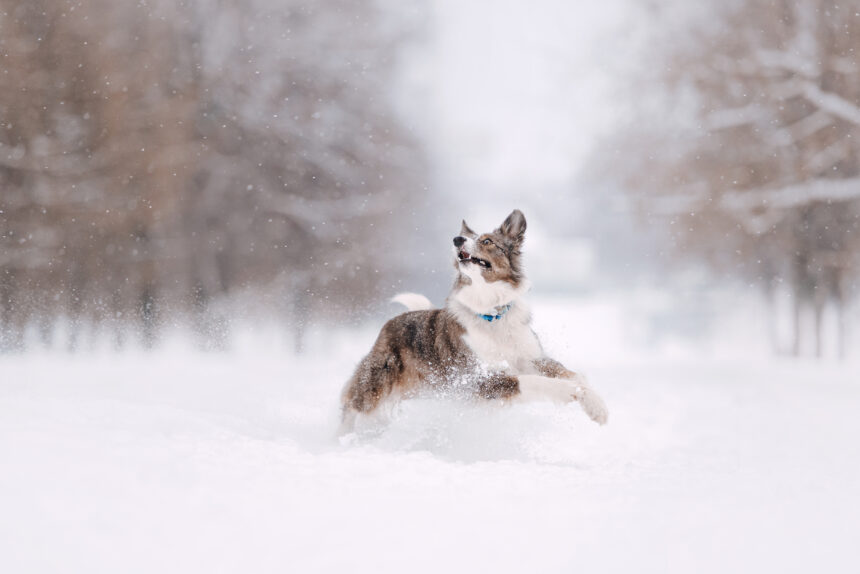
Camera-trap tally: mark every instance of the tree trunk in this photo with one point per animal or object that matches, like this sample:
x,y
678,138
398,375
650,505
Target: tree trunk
x,y
11,329
45,325
76,302
117,320
796,327
148,315
841,299
841,329
299,317
819,317
772,331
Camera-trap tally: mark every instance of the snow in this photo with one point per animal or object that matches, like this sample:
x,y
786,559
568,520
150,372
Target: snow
x,y
180,461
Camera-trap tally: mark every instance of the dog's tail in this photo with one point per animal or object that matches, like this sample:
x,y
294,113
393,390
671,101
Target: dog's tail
x,y
413,301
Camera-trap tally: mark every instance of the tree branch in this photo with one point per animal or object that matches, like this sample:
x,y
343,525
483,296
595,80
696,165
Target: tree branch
x,y
832,190
831,103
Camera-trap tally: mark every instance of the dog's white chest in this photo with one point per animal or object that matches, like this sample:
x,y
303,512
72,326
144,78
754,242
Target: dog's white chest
x,y
506,344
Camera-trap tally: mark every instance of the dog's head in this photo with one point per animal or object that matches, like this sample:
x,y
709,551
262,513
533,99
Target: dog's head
x,y
495,255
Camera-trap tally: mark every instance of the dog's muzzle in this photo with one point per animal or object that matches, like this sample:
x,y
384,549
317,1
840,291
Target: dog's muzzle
x,y
464,256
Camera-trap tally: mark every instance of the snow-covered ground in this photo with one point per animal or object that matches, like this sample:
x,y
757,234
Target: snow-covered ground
x,y
179,461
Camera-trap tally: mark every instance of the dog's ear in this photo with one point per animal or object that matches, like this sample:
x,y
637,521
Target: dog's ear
x,y
466,231
514,226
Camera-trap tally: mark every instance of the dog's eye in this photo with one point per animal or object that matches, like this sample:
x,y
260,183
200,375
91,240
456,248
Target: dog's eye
x,y
487,242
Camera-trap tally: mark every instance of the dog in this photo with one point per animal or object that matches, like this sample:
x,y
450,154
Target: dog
x,y
481,343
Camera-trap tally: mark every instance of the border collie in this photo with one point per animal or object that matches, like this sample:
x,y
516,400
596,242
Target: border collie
x,y
481,343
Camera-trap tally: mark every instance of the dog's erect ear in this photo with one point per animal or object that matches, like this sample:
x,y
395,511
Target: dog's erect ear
x,y
514,226
466,231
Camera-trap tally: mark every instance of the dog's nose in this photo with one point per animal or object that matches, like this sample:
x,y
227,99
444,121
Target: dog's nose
x,y
459,241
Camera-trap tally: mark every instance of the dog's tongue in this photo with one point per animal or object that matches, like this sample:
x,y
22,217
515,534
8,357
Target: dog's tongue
x,y
463,256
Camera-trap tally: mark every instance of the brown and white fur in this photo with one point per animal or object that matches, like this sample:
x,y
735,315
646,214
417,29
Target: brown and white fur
x,y
454,349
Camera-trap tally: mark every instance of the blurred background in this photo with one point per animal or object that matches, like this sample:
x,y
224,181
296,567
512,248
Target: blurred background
x,y
207,205
205,168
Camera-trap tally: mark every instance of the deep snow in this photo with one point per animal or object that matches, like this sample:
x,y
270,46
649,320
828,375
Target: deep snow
x,y
186,462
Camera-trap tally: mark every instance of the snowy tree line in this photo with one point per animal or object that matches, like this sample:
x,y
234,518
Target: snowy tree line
x,y
747,153
160,158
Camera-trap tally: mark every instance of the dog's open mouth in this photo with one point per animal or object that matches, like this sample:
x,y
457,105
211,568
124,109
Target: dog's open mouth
x,y
466,258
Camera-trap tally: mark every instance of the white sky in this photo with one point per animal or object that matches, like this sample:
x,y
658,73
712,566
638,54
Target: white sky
x,y
519,90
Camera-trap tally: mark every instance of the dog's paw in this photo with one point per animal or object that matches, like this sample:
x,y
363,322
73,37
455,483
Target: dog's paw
x,y
593,405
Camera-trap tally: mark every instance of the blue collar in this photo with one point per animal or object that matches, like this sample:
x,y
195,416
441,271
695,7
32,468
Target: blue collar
x,y
491,318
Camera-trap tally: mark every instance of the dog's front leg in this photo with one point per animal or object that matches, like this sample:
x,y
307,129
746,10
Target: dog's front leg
x,y
560,384
553,369
497,386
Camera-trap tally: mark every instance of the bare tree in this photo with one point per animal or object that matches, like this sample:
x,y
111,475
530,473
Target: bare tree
x,y
758,170
157,159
